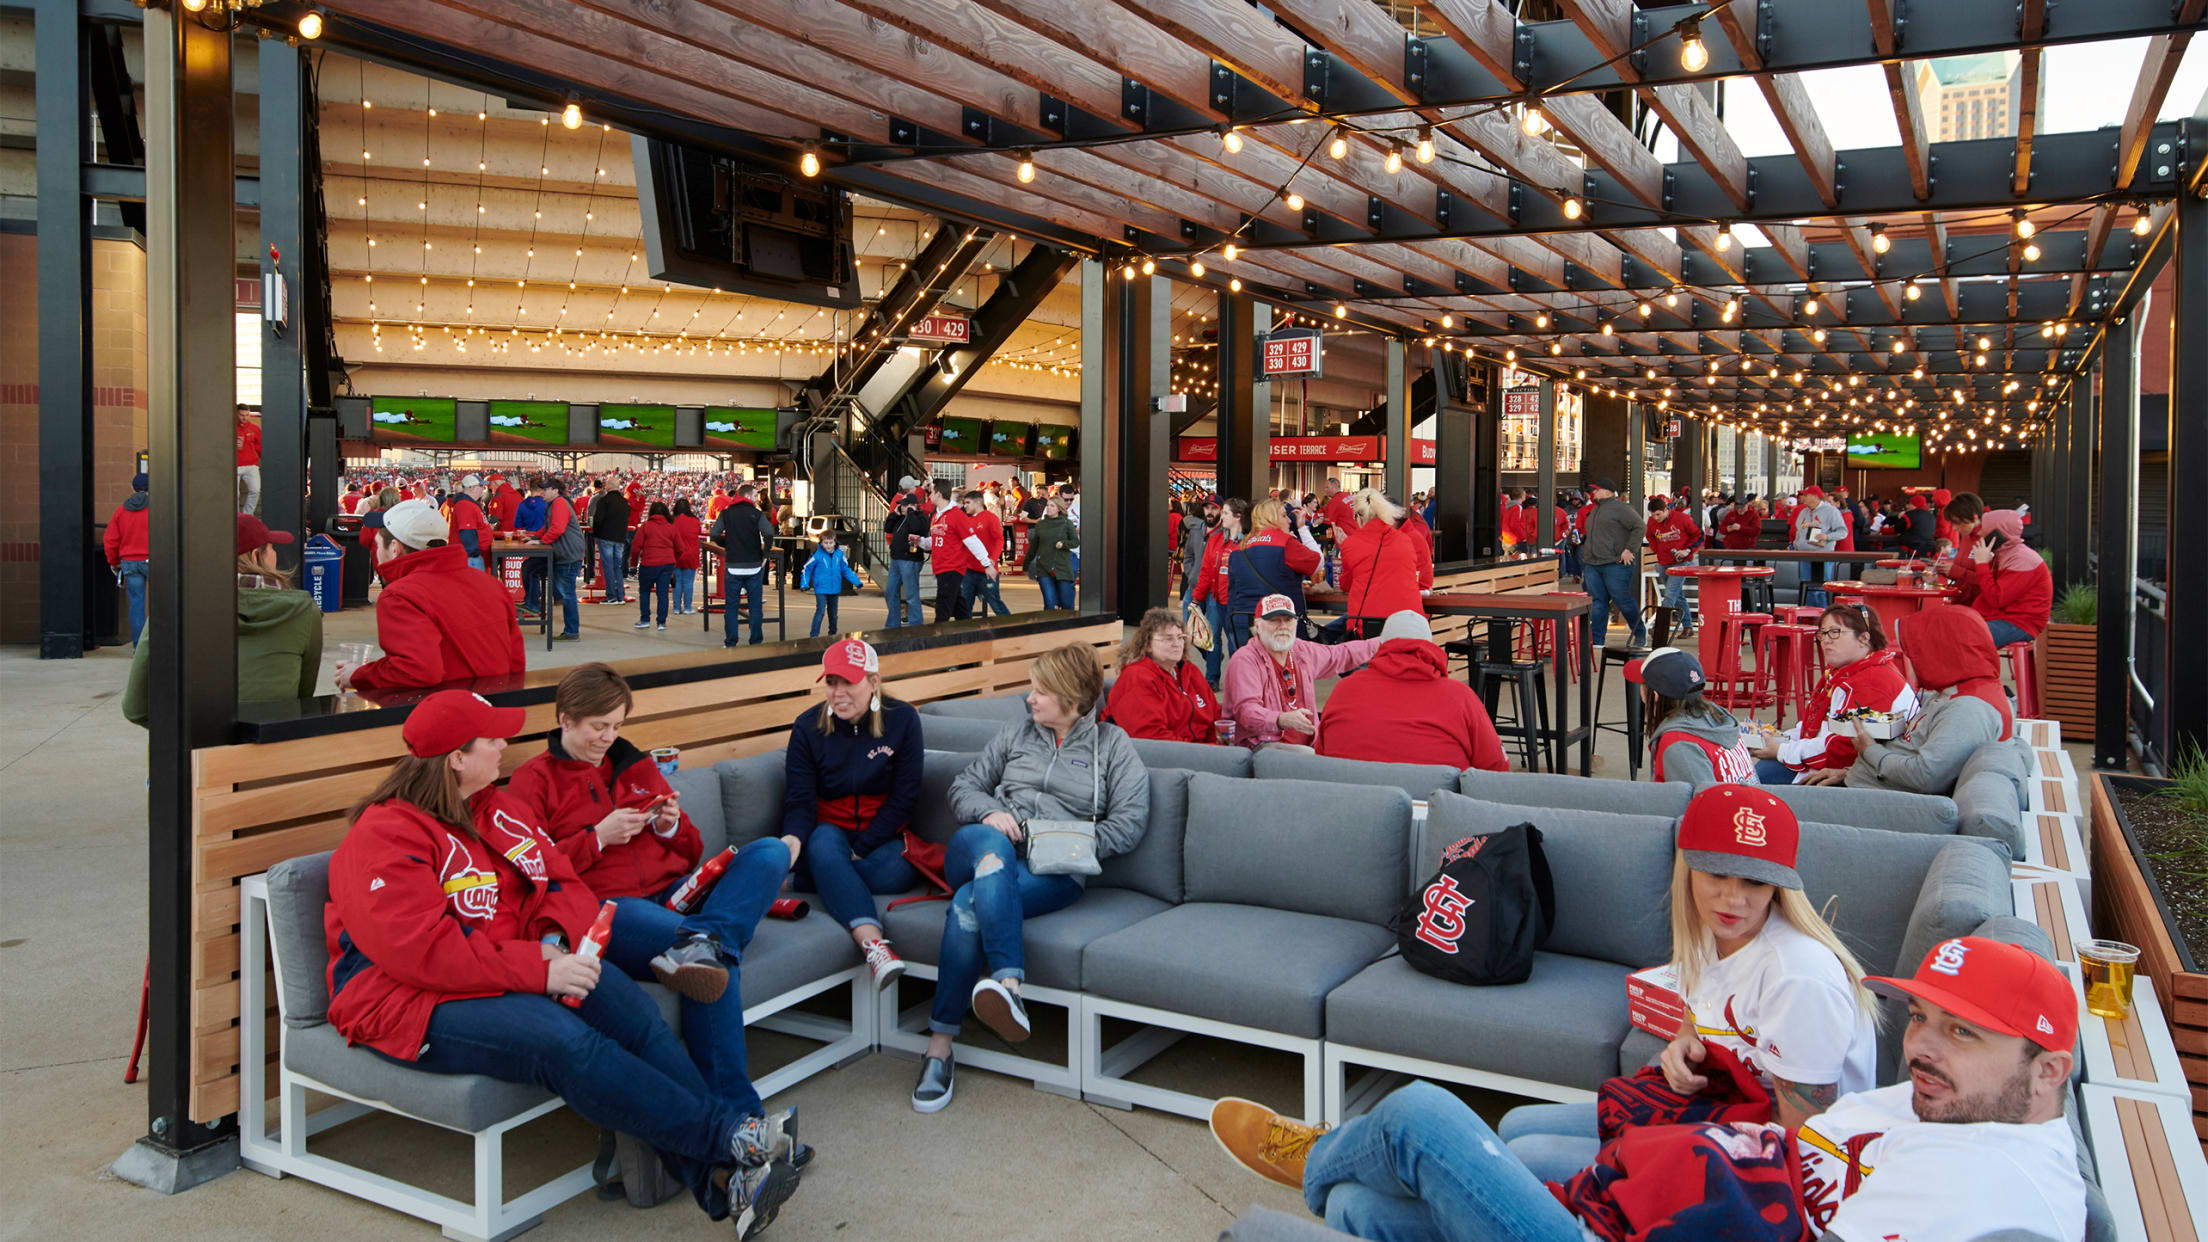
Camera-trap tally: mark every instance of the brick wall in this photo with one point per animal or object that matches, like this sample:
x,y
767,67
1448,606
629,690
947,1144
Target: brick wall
x,y
118,410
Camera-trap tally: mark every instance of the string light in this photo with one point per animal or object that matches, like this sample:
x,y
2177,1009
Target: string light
x,y
1027,166
1694,55
2031,252
809,162
2141,226
1229,251
1533,121
572,115
310,26
1196,268
1425,144
1724,235
1339,147
1395,158
1879,240
1572,207
1294,200
2024,226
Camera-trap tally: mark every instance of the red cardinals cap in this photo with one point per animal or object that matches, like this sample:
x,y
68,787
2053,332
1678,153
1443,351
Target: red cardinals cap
x,y
1742,830
253,534
852,659
1814,490
2002,987
1276,606
450,719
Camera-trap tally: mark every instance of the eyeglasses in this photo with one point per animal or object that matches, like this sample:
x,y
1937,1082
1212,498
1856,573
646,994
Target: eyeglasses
x,y
1835,632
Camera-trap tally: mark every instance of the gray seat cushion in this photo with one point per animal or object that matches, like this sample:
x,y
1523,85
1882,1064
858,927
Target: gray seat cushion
x,y
1336,850
1640,1048
1009,708
959,733
1054,942
1582,792
1268,969
700,792
1419,780
1563,1025
1194,756
1612,872
931,818
298,889
465,1102
1870,884
1154,865
786,954
1869,808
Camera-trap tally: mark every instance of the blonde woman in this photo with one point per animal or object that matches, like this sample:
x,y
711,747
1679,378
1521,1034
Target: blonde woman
x,y
1271,561
1385,569
1762,974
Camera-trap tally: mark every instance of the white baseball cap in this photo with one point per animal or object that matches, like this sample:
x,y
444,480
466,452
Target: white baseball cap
x,y
1276,606
415,523
473,480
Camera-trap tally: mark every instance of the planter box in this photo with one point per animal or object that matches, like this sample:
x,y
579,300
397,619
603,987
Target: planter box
x,y
2066,656
2127,906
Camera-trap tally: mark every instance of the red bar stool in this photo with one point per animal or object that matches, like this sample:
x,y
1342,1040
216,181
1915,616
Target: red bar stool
x,y
1783,669
1729,684
2024,673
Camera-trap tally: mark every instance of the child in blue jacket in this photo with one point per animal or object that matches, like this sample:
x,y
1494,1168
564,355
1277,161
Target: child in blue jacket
x,y
824,575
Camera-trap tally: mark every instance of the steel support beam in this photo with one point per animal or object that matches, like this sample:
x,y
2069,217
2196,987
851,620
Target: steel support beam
x,y
191,610
1245,407
1140,366
1099,571
1395,473
2075,489
2117,530
2186,709
1544,469
1636,456
64,337
1458,532
1740,462
287,180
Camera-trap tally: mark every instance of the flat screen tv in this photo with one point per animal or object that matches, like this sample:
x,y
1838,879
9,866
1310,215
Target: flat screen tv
x,y
1883,450
1010,439
636,426
738,427
961,437
1054,441
528,422
428,419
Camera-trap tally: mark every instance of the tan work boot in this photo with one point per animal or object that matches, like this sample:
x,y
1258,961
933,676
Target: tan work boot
x,y
1263,1141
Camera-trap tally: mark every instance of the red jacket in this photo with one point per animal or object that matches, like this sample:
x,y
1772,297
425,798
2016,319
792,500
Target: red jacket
x,y
350,501
1211,580
438,621
1740,528
557,514
1674,536
634,494
989,528
1875,682
569,797
249,442
463,514
687,532
948,529
1416,524
1403,707
129,534
1145,702
505,503
420,913
1382,571
2021,599
655,543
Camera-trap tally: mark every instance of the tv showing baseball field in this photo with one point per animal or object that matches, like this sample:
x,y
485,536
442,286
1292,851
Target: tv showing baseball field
x,y
1883,450
413,418
529,422
636,426
961,437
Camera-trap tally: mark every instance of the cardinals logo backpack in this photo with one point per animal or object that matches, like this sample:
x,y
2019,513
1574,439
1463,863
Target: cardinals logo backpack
x,y
1480,917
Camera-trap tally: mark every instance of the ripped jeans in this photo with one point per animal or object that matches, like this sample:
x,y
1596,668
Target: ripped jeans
x,y
992,891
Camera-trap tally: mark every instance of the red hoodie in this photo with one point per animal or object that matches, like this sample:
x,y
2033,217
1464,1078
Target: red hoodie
x,y
1949,649
655,543
129,534
1674,536
1875,682
1741,527
569,797
505,503
687,532
1382,572
1404,708
438,621
249,442
421,913
1145,702
1415,523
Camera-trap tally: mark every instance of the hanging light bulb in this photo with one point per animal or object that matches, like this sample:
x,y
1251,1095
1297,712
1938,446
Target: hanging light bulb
x,y
1448,321
1879,241
1672,298
1395,158
1341,311
1607,329
1027,166
809,162
1339,147
1912,291
1234,285
2140,226
1541,320
1196,268
2031,252
572,115
1647,310
1127,272
310,26
1425,144
1533,121
1229,251
1985,343
1295,201
1694,55
1724,235
1572,207
2024,226
1809,307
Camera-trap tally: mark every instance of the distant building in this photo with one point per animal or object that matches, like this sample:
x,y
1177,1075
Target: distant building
x,y
1965,97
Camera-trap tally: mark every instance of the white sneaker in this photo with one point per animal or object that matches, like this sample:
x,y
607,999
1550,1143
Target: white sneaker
x,y
884,963
663,625
1000,1009
645,625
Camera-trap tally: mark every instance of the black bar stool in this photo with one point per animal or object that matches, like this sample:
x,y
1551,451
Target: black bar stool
x,y
1528,681
1660,636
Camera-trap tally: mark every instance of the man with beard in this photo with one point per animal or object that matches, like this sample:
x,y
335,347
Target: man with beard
x,y
1271,686
1973,1144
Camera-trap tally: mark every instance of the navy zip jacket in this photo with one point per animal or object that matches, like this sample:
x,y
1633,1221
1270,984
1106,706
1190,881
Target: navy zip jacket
x,y
866,785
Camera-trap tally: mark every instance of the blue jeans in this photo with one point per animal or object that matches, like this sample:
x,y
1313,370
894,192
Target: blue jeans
x,y
1613,584
563,589
134,575
610,552
988,904
847,884
651,579
825,605
612,1059
2006,632
1772,772
684,579
475,562
754,585
901,590
1675,598
1553,1141
979,586
1222,639
1057,592
1422,1167
643,927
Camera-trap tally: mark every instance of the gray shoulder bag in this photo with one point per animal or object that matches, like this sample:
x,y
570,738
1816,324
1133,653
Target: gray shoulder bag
x,y
1068,846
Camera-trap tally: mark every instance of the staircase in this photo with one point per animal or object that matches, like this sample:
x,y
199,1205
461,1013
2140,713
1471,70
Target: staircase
x,y
841,484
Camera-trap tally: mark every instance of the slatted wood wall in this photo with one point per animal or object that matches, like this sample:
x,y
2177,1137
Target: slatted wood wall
x,y
257,805
1516,576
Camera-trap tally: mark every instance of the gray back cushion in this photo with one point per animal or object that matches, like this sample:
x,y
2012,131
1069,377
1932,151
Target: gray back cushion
x,y
932,818
700,792
1667,798
1194,756
751,796
1869,808
1612,872
960,733
1419,780
298,888
1008,708
1869,884
1336,850
1989,793
1154,865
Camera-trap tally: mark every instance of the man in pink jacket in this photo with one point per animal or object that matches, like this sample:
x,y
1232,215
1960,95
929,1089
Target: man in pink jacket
x,y
1271,686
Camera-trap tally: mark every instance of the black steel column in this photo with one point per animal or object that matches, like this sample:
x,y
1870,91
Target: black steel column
x,y
1686,462
192,605
284,179
2187,608
2076,489
64,336
1244,444
1395,470
1545,469
1143,374
2119,471
1456,456
1100,293
1636,457
2061,522
1740,463
1770,466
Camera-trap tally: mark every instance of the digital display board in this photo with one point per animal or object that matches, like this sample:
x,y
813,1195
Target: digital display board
x,y
426,419
1010,439
737,427
1054,441
961,436
636,426
1884,450
529,422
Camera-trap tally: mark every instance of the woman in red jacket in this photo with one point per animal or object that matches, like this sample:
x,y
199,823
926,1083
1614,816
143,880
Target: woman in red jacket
x,y
1211,582
653,550
687,532
1384,570
1160,693
452,926
610,812
1862,673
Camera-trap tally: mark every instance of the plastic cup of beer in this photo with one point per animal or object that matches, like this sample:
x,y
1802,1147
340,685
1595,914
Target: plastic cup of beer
x,y
2108,966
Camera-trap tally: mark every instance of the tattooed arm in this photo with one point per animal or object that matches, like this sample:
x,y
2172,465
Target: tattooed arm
x,y
1797,1102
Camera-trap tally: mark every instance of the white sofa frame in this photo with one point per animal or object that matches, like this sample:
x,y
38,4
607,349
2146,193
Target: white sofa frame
x,y
1104,1069
1387,1070
904,1032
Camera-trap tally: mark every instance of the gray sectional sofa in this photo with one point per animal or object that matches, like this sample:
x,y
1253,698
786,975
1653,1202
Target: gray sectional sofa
x,y
1256,909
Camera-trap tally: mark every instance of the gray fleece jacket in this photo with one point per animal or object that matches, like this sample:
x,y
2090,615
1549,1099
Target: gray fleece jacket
x,y
1024,771
1685,761
1826,520
1947,729
1613,530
